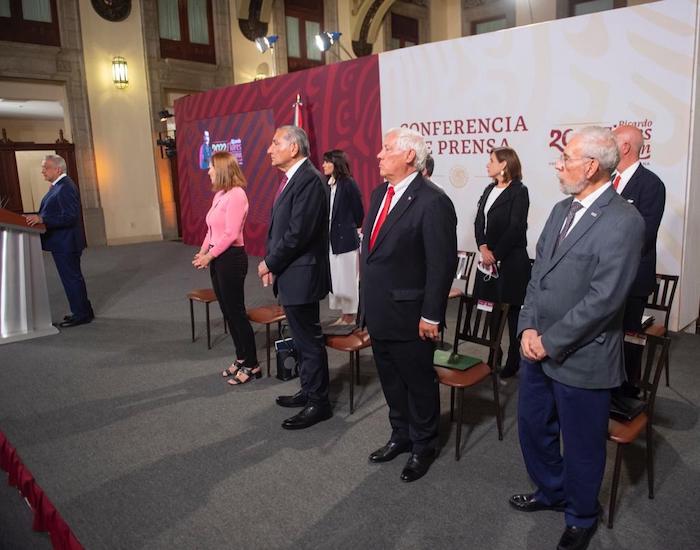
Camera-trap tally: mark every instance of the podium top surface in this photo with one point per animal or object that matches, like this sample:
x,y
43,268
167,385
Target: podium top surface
x,y
17,222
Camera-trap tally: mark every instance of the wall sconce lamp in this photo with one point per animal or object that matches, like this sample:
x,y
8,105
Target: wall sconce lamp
x,y
326,39
265,43
120,74
165,115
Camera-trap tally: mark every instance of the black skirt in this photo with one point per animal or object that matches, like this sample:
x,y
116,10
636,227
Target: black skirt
x,y
511,285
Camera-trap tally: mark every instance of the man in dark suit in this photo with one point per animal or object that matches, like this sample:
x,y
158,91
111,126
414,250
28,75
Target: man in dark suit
x,y
60,212
296,263
643,189
571,335
408,260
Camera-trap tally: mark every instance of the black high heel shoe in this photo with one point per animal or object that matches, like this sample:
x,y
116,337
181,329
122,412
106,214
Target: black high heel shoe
x,y
234,368
248,372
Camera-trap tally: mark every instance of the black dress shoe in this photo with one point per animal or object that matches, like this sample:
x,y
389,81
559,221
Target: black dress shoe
x,y
528,503
74,322
296,400
509,371
417,466
576,538
390,451
312,414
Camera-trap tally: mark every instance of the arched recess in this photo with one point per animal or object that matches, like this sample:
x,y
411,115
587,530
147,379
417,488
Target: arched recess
x,y
254,17
370,15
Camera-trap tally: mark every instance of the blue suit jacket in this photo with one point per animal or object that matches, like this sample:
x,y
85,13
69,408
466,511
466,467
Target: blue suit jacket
x,y
60,210
408,273
647,193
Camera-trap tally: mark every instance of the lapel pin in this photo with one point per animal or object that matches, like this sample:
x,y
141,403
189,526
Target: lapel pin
x,y
410,197
594,214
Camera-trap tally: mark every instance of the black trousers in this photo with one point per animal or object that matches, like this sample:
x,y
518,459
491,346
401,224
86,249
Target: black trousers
x,y
228,272
411,390
632,321
68,267
513,359
304,321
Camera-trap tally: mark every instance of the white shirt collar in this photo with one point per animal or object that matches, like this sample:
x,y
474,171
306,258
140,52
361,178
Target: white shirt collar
x,y
400,187
54,182
590,199
626,175
293,170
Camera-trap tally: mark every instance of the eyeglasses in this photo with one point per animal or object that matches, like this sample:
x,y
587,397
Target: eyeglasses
x,y
565,159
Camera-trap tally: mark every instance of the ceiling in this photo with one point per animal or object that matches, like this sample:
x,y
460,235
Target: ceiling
x,y
31,109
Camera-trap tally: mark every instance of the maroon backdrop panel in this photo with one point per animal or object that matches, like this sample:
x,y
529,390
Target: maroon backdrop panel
x,y
341,111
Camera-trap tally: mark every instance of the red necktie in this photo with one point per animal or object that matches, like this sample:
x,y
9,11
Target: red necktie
x,y
382,216
616,181
281,187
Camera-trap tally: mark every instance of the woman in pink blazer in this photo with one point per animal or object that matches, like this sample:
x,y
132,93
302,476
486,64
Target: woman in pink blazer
x,y
223,252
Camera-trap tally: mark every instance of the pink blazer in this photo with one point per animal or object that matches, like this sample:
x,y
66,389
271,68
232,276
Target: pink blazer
x,y
225,221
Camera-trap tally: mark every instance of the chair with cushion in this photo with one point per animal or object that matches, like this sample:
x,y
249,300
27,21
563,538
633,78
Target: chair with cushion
x,y
630,417
662,300
458,371
206,296
352,343
465,264
267,315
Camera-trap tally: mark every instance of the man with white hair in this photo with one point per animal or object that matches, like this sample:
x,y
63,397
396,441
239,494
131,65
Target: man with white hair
x,y
60,212
408,261
572,337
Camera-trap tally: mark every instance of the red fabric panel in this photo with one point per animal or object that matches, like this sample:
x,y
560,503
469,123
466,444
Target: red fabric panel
x,y
341,111
46,517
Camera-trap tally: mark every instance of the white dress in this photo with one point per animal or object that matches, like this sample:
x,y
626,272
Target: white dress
x,y
344,275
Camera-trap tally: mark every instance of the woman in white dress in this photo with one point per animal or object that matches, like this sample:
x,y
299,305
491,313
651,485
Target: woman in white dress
x,y
345,221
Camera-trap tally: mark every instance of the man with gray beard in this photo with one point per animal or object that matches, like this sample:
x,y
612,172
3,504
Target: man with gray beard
x,y
572,338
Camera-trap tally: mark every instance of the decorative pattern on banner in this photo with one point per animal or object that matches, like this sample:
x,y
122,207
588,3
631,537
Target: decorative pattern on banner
x,y
341,111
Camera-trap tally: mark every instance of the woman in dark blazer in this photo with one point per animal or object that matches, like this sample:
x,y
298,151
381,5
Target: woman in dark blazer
x,y
500,229
345,221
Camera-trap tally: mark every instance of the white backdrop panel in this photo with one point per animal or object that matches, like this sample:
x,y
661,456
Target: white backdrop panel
x,y
529,87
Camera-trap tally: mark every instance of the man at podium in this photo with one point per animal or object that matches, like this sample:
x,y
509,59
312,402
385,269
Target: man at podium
x,y
60,213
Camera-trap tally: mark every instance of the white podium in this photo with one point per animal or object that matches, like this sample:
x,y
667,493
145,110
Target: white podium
x,y
24,300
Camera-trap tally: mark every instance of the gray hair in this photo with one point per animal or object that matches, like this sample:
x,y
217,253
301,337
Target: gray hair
x,y
599,143
294,134
57,161
406,140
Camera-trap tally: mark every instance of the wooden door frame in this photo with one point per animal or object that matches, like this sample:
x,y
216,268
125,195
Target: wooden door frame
x,y
63,149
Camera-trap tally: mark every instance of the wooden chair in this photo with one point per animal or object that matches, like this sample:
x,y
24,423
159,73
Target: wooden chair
x,y
623,431
460,371
267,315
662,300
352,343
205,296
465,264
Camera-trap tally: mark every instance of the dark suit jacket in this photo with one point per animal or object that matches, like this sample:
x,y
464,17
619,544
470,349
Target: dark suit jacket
x,y
346,217
60,210
297,240
647,193
408,273
506,236
576,294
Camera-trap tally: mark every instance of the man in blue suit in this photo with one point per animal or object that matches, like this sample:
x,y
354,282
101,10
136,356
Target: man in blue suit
x,y
60,213
571,335
644,190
